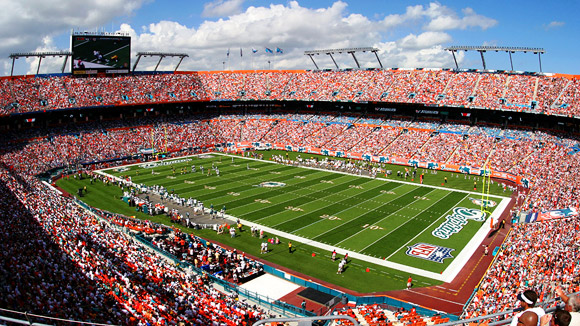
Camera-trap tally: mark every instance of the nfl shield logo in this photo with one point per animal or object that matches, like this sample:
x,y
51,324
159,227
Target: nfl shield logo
x,y
429,252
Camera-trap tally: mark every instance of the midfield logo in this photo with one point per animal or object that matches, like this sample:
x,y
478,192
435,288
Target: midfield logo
x,y
271,184
429,252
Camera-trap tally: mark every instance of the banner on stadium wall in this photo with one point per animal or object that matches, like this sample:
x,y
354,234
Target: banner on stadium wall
x,y
314,150
356,156
431,165
551,215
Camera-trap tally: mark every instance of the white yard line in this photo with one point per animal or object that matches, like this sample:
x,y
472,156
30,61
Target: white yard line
x,y
366,176
321,199
359,216
446,276
344,210
409,220
427,228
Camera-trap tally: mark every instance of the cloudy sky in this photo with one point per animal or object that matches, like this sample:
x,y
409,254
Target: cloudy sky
x,y
407,33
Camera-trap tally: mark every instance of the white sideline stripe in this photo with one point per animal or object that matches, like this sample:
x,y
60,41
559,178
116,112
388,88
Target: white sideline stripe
x,y
446,276
457,264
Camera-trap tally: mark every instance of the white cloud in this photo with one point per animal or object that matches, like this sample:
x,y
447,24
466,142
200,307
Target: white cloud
x,y
444,19
424,50
222,8
423,40
412,13
24,25
554,24
290,27
421,33
436,17
49,64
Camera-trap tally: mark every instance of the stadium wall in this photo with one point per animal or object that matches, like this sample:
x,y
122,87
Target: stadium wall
x,y
353,299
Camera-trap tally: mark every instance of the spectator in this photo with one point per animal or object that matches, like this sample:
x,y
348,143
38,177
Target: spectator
x,y
528,300
572,303
558,318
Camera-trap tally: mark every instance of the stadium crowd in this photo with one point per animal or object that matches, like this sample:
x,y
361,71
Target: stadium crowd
x,y
377,315
79,271
528,154
542,256
520,92
81,267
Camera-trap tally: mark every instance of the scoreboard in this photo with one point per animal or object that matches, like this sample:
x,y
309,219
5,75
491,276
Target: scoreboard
x,y
98,54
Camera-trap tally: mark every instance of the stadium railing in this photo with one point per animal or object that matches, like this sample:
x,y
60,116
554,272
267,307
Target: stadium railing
x,y
25,318
548,306
305,320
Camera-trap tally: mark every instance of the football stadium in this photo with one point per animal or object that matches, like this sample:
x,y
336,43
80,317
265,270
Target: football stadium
x,y
379,196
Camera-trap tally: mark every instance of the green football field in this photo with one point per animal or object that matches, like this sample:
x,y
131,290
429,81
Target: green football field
x,y
390,221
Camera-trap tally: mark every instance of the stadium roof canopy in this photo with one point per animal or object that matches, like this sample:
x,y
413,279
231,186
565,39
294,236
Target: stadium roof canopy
x,y
484,48
161,55
350,51
40,55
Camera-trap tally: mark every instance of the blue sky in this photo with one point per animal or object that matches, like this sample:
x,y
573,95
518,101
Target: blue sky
x,y
408,34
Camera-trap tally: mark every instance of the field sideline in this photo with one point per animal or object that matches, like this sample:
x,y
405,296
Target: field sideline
x,y
374,220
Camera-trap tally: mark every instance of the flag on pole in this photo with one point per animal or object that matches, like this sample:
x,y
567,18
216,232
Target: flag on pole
x,y
254,50
269,50
241,52
278,50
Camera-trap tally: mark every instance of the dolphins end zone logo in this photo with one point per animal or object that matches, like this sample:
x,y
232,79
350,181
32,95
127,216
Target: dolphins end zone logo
x,y
271,184
429,252
454,223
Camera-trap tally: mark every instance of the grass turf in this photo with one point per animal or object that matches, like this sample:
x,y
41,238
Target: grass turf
x,y
377,218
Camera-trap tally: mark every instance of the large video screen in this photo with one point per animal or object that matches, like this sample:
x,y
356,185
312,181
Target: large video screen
x,y
94,54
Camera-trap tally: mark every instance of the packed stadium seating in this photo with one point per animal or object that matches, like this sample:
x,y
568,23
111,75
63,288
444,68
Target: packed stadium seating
x,y
527,93
535,255
554,182
80,268
78,272
376,315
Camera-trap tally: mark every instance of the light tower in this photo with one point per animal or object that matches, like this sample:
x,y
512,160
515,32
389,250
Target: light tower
x,y
350,51
483,48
